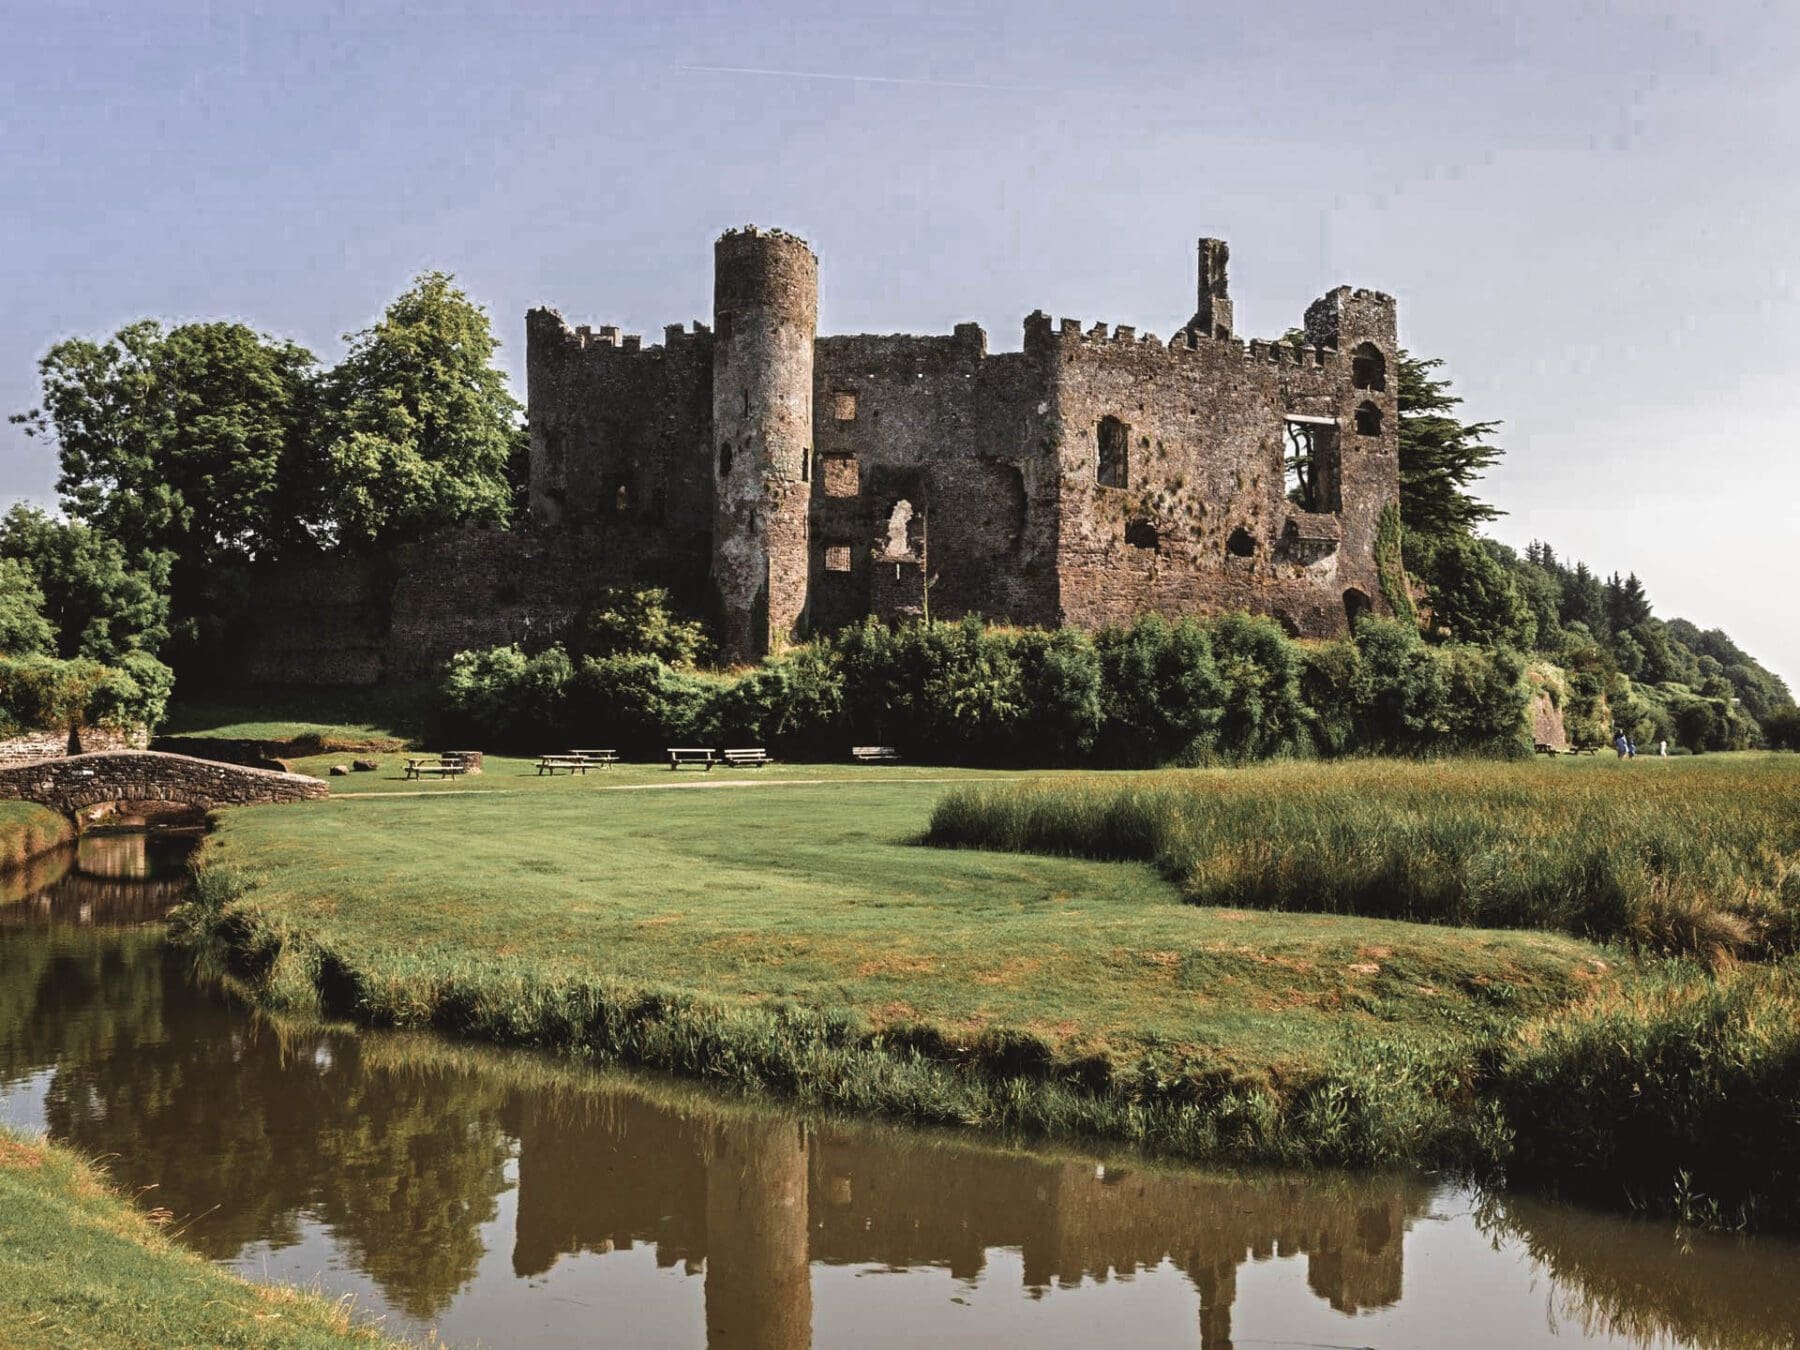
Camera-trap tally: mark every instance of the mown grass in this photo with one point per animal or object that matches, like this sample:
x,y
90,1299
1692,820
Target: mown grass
x,y
1697,856
81,1267
794,937
28,830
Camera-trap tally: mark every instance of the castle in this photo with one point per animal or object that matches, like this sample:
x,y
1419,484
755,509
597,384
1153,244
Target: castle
x,y
787,483
1086,479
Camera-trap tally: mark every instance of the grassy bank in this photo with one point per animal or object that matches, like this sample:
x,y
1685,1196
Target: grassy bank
x,y
28,830
793,936
1689,856
79,1266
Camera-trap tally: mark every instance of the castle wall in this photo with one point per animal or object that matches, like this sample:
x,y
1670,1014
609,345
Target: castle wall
x,y
955,442
1196,519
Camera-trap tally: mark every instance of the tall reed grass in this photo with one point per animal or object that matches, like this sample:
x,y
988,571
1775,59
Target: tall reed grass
x,y
1672,857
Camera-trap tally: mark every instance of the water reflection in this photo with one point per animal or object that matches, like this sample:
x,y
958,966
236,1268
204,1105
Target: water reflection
x,y
423,1165
104,878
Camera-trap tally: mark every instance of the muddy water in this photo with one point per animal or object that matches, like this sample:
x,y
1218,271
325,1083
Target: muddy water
x,y
509,1200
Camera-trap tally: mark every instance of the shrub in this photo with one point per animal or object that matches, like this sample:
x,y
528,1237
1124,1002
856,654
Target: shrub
x,y
635,704
625,622
1161,694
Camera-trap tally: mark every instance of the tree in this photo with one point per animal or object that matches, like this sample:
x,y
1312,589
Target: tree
x,y
24,631
1439,456
97,602
1626,604
422,427
188,442
1470,593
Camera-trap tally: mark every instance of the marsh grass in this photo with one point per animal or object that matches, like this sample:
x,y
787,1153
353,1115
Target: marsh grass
x,y
81,1267
1684,857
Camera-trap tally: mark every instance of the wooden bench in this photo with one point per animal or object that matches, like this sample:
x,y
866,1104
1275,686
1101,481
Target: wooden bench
x,y
1543,748
599,759
679,755
573,763
874,754
752,758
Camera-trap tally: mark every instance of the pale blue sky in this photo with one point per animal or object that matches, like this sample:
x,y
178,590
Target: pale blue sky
x,y
1586,208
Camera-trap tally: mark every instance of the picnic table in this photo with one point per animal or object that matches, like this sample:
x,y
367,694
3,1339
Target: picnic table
x,y
432,766
874,754
704,756
749,758
573,763
599,759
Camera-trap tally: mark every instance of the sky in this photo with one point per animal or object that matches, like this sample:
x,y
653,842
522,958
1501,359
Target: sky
x,y
1585,209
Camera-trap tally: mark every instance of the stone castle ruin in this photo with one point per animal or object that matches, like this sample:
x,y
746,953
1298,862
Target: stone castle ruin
x,y
788,483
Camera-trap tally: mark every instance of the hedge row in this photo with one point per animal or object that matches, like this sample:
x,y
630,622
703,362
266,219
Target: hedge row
x,y
1158,692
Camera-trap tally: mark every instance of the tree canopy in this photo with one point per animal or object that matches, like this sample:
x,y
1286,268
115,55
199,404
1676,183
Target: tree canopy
x,y
421,425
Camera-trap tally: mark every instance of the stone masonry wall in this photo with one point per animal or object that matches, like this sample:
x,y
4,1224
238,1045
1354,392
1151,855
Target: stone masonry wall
x,y
73,782
31,746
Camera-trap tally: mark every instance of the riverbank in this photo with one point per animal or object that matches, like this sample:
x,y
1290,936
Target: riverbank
x,y
29,831
797,939
81,1267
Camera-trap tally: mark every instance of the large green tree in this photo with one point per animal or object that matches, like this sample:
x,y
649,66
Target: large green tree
x,y
97,601
189,441
421,424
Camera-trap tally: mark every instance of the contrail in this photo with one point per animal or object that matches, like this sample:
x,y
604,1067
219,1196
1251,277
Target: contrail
x,y
860,79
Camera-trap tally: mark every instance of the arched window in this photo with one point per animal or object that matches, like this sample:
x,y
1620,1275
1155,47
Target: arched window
x,y
1113,439
621,499
1368,368
1356,606
1368,420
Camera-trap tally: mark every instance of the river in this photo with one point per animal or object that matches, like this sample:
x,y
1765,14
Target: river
x,y
507,1199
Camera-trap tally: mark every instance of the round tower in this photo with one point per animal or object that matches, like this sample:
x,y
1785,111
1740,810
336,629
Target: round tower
x,y
765,322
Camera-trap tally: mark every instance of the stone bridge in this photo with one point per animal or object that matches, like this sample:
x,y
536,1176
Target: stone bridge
x,y
71,783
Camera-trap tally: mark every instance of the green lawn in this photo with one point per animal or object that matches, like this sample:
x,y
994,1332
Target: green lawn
x,y
80,1267
27,829
758,888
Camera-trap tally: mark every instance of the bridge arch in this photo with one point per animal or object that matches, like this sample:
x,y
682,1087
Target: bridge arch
x,y
73,783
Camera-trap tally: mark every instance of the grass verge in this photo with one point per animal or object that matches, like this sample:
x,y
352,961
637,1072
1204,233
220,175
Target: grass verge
x,y
80,1266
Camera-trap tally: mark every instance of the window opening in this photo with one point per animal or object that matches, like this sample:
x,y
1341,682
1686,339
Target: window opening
x,y
1356,606
837,557
842,478
899,525
1368,368
1310,466
1114,441
1142,534
1368,420
724,458
843,406
1241,544
806,458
